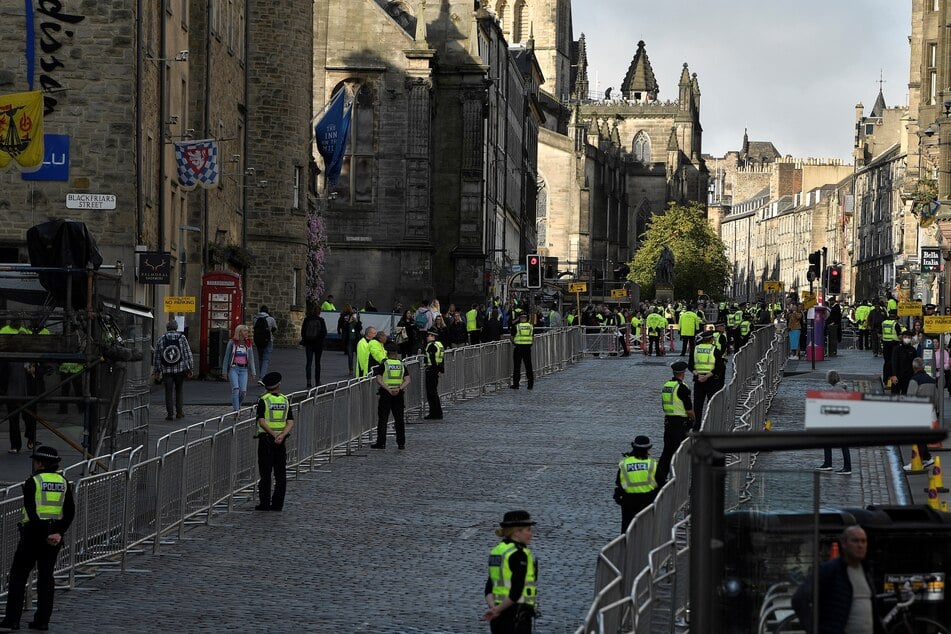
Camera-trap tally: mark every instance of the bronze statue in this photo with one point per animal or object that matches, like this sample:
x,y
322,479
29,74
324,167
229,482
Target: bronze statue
x,y
664,272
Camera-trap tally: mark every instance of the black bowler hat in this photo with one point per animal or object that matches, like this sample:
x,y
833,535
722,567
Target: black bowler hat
x,y
678,366
391,347
705,334
271,380
46,454
641,442
516,518
432,333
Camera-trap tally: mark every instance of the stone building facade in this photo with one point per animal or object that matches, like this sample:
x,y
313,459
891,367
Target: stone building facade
x,y
438,187
124,81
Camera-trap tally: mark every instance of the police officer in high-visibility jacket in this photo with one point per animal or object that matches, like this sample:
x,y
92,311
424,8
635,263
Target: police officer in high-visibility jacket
x,y
435,365
709,370
636,484
891,336
392,378
275,422
510,590
522,339
678,417
48,511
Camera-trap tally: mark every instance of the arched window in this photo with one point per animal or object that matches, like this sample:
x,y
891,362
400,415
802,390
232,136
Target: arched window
x,y
520,23
357,175
642,147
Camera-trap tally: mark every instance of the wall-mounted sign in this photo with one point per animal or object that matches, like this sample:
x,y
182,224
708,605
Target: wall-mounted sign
x,y
155,267
930,259
180,304
91,201
55,160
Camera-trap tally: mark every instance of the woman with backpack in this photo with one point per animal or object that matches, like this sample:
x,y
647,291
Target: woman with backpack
x,y
237,363
312,334
406,343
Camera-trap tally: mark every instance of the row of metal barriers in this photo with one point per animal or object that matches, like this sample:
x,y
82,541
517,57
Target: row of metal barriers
x,y
128,503
642,576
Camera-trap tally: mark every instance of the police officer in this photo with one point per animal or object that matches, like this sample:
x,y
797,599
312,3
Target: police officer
x,y
275,421
522,337
708,368
392,378
48,511
636,484
678,417
510,590
891,335
435,355
720,339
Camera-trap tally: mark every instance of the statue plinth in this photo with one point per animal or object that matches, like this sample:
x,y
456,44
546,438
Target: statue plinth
x,y
664,292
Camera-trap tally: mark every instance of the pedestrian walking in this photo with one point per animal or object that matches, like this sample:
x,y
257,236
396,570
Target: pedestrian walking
x,y
434,361
635,486
678,417
238,364
522,339
275,421
352,334
510,591
832,377
834,326
313,332
172,363
264,328
48,511
393,379
406,335
902,365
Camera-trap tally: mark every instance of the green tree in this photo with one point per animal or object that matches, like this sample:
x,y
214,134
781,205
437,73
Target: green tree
x,y
700,261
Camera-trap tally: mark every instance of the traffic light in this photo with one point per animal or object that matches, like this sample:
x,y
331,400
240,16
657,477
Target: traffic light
x,y
815,264
835,279
533,269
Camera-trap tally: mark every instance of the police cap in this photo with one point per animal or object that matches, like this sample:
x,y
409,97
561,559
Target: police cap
x,y
678,366
516,518
47,454
271,380
641,442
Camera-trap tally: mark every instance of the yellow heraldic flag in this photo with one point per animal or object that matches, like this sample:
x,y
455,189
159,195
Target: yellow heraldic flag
x,y
21,129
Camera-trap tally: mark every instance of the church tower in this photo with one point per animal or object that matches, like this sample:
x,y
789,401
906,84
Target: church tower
x,y
549,22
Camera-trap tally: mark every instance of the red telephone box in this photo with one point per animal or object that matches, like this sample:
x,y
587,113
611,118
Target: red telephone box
x,y
220,314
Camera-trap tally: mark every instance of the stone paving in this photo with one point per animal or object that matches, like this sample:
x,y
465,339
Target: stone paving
x,y
397,541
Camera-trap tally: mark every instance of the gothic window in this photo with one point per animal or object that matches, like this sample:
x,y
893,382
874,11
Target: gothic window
x,y
932,61
642,147
357,175
520,23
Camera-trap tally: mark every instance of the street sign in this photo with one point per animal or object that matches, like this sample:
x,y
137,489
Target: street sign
x,y
808,299
828,409
937,324
578,287
180,304
90,201
518,268
772,286
909,309
930,259
618,293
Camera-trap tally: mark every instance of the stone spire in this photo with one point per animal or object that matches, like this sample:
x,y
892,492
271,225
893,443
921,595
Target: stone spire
x,y
639,82
581,79
879,108
686,89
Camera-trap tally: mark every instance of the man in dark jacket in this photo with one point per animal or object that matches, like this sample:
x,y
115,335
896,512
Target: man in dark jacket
x,y
874,321
846,592
903,357
834,327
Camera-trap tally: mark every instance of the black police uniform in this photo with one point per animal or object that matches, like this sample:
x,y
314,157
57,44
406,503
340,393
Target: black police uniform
x,y
433,369
32,550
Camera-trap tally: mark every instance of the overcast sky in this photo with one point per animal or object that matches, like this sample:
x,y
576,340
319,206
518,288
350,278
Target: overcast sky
x,y
791,71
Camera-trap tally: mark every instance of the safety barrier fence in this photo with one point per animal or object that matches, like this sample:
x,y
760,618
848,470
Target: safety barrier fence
x,y
125,504
642,576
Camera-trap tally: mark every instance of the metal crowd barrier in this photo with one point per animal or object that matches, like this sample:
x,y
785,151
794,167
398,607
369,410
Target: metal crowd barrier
x,y
127,505
642,577
601,341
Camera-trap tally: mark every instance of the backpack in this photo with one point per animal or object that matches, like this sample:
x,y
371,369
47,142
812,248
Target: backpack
x,y
172,351
262,333
422,319
313,331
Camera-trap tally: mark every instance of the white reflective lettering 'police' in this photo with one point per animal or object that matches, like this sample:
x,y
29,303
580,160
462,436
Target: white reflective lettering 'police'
x,y
637,466
279,406
56,487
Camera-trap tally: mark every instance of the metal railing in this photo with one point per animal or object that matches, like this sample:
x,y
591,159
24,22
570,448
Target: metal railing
x,y
125,505
642,577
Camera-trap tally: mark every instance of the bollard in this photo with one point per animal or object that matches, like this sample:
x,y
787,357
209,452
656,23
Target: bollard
x,y
933,501
916,466
936,479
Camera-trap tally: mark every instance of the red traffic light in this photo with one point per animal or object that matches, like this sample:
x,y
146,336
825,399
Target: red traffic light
x,y
533,261
834,272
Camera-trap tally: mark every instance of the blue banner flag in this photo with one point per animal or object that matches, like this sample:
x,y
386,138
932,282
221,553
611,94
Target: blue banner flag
x,y
331,134
30,44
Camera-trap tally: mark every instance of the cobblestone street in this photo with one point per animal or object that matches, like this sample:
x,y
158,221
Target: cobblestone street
x,y
397,541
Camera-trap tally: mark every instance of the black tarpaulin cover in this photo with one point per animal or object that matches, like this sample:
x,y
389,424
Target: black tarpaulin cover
x,y
62,243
